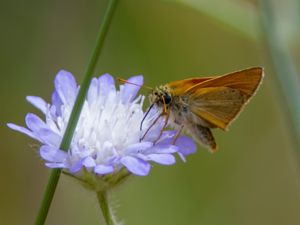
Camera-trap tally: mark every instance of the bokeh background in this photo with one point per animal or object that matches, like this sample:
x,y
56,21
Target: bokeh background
x,y
252,179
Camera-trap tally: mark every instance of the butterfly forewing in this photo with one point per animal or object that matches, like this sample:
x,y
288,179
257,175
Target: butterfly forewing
x,y
179,87
246,81
219,100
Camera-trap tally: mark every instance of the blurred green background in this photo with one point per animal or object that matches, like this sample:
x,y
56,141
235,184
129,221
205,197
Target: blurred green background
x,y
252,179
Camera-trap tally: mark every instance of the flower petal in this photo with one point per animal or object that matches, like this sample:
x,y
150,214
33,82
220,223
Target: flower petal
x,y
89,162
106,84
66,87
93,91
49,137
131,88
34,122
103,169
182,156
162,148
167,137
38,102
186,145
136,166
138,147
76,166
22,130
42,131
164,159
56,102
52,154
56,165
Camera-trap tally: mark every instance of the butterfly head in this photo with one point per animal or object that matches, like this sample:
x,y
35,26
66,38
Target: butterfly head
x,y
161,96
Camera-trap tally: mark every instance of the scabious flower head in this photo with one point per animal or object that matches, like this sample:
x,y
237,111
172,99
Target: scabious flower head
x,y
107,138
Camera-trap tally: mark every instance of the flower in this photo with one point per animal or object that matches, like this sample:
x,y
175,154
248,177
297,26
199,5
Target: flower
x,y
108,135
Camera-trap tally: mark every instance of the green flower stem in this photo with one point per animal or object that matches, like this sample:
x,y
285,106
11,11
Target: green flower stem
x,y
106,211
67,138
285,71
48,195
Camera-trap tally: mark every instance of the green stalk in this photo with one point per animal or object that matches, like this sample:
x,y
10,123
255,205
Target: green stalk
x,y
285,71
67,138
106,211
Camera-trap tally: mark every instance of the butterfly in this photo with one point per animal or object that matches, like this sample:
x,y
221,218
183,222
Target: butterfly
x,y
197,105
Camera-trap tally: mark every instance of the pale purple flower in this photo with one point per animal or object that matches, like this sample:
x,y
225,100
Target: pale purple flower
x,y
107,136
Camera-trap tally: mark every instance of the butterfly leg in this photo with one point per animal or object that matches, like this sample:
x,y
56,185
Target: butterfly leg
x,y
167,114
177,135
149,128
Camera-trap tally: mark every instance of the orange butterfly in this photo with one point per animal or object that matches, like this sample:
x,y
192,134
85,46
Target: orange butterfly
x,y
199,104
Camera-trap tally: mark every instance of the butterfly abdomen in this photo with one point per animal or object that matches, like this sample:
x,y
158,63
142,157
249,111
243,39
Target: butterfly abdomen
x,y
204,136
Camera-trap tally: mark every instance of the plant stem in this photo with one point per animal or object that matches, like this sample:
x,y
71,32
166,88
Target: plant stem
x,y
103,203
67,138
48,196
285,71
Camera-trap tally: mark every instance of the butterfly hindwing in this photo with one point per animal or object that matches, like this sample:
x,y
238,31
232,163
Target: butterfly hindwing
x,y
219,106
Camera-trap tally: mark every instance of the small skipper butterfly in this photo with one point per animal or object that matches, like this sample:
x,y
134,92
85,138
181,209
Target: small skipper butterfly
x,y
199,104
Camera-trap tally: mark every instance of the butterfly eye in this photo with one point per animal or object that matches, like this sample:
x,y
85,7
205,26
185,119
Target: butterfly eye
x,y
167,99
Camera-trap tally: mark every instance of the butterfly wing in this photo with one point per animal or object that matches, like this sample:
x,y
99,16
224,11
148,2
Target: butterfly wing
x,y
246,81
219,100
179,87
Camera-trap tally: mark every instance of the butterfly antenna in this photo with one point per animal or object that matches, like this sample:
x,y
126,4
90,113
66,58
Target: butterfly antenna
x,y
146,114
127,82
